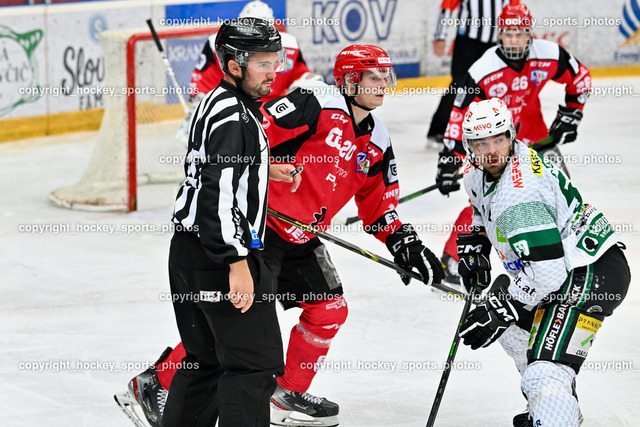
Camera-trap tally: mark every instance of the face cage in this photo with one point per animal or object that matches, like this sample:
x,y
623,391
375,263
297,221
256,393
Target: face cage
x,y
514,53
243,60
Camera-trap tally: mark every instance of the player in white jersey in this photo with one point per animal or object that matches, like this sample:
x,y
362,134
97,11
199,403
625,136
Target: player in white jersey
x,y
565,269
515,71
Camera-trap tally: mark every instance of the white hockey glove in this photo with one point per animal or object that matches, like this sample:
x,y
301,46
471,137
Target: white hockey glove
x,y
307,79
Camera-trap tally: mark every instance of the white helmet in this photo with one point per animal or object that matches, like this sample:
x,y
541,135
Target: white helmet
x,y
486,118
257,9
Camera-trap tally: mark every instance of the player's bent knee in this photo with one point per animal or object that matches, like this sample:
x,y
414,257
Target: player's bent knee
x,y
324,318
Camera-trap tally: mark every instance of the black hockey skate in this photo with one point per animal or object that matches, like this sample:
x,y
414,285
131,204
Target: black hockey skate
x,y
289,408
145,391
524,420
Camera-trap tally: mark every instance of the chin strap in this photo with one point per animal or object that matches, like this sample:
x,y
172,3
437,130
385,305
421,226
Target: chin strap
x,y
352,99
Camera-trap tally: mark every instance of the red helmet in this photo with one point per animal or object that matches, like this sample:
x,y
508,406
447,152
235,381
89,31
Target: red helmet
x,y
357,58
515,16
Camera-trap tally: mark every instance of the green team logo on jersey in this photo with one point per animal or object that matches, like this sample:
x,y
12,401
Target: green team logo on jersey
x,y
500,236
599,231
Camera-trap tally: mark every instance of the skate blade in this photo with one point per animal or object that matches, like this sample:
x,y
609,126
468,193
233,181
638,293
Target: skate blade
x,y
282,417
126,402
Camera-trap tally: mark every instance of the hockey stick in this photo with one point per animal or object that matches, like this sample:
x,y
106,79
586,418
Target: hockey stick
x,y
542,143
452,355
536,146
360,251
167,65
354,219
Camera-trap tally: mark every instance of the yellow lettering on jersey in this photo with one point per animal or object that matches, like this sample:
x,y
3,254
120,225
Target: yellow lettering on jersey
x,y
536,164
588,323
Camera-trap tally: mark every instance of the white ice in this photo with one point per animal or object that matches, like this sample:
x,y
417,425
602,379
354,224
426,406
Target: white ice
x,y
96,297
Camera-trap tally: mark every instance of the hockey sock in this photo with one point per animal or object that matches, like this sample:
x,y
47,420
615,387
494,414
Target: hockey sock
x,y
515,342
310,340
168,365
549,391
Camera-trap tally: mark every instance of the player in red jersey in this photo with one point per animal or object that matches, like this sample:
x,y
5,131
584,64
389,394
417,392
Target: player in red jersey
x,y
515,71
207,73
345,152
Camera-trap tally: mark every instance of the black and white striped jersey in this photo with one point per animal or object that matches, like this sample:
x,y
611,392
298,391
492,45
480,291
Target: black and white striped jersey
x,y
477,19
223,198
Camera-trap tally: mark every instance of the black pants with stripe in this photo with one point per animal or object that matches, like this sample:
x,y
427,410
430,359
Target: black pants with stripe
x,y
566,323
228,372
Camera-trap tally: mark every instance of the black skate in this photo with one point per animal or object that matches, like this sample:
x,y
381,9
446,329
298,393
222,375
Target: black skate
x,y
289,408
524,420
146,392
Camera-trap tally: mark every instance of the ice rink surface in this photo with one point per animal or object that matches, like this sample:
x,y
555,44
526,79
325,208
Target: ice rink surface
x,y
84,309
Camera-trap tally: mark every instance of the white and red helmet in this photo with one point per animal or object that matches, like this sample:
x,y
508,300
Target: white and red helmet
x,y
356,59
257,9
515,17
486,118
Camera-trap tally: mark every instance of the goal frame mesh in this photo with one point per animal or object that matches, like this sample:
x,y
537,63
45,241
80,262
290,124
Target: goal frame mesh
x,y
65,196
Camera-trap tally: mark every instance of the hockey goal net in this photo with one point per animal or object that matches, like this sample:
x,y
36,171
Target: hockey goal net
x,y
136,144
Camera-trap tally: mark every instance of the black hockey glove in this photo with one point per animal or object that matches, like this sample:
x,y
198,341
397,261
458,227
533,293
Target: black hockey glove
x,y
448,165
474,266
564,128
408,251
484,324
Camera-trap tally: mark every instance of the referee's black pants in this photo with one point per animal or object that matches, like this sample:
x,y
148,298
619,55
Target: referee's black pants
x,y
466,51
231,358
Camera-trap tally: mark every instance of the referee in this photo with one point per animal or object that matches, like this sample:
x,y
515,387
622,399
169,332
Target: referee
x,y
221,287
477,32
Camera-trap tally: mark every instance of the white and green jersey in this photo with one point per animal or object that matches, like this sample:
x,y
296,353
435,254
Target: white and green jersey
x,y
537,222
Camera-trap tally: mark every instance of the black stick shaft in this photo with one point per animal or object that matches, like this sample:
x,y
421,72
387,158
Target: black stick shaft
x,y
155,35
360,251
447,368
354,219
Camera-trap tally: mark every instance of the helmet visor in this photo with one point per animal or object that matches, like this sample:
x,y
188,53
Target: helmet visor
x,y
386,74
260,63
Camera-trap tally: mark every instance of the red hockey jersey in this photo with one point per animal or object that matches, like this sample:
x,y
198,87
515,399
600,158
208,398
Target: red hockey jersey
x,y
492,76
208,73
315,128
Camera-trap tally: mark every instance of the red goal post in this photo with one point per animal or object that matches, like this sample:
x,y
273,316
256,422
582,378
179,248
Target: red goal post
x,y
139,121
131,96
